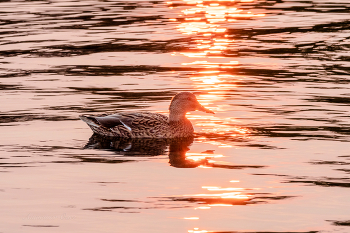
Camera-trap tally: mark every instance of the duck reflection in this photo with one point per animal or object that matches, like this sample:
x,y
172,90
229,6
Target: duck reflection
x,y
176,148
130,147
178,155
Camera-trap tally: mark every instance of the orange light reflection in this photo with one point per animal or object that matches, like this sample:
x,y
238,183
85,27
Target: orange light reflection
x,y
197,157
196,230
236,195
207,64
206,19
203,166
220,205
221,197
191,218
202,208
207,22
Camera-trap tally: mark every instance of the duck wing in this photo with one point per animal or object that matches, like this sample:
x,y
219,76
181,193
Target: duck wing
x,y
144,124
138,124
111,121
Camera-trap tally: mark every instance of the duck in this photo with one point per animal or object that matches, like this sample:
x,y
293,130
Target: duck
x,y
149,124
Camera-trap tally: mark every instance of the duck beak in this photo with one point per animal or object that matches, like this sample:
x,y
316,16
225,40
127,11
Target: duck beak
x,y
203,109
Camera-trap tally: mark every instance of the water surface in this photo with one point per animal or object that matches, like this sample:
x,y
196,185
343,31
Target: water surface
x,y
274,157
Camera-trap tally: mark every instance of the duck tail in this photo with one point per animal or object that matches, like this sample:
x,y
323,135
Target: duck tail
x,y
91,121
103,127
95,126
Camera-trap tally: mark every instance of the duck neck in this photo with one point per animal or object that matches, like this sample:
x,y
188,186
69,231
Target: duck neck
x,y
177,116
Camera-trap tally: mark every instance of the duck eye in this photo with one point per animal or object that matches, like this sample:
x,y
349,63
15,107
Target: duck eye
x,y
189,98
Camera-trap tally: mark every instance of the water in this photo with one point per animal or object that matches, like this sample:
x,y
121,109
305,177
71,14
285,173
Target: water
x,y
274,157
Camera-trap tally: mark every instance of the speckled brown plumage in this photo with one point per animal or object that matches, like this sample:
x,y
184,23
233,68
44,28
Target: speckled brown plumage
x,y
147,124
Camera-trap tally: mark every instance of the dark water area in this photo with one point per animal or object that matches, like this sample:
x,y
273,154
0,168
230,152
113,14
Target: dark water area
x,y
274,157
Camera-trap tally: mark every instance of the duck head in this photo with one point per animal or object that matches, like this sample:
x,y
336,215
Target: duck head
x,y
183,103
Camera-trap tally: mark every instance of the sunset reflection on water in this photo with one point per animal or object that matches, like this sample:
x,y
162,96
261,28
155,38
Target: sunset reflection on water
x,y
197,230
219,196
216,196
203,20
268,160
197,157
206,22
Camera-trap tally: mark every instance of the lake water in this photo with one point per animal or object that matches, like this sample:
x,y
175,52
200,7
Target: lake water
x,y
274,158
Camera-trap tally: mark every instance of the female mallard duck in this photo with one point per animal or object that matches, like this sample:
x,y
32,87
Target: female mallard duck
x,y
147,124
